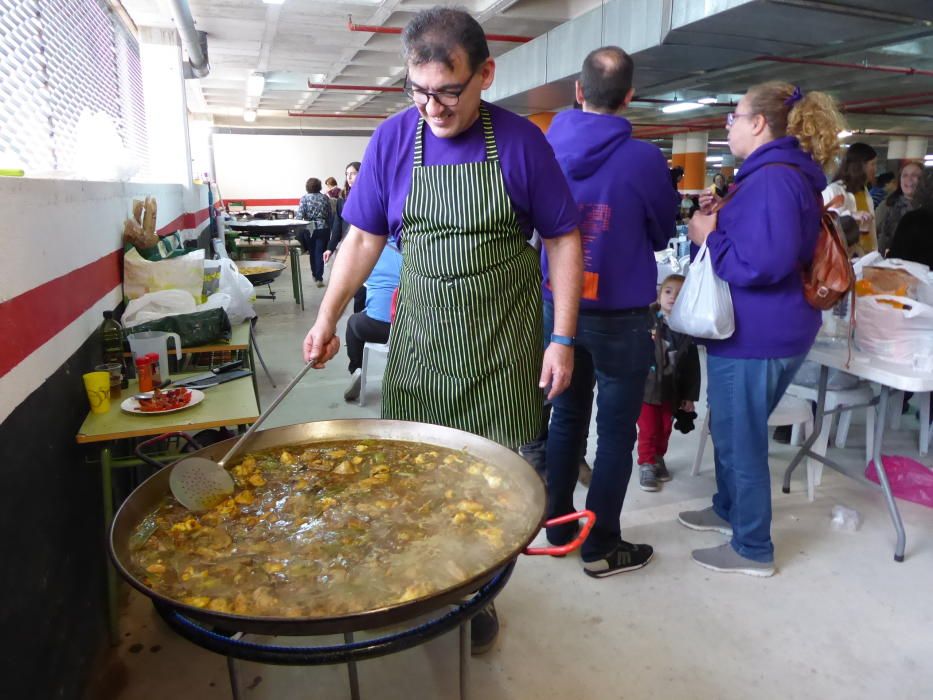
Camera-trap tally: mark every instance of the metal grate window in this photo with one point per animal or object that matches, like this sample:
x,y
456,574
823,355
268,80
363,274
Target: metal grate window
x,y
57,59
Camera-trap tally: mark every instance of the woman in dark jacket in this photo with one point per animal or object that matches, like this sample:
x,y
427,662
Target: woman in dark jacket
x,y
314,208
897,204
913,239
340,227
763,236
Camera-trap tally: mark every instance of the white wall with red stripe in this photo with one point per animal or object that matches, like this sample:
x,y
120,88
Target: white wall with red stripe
x,y
62,267
274,168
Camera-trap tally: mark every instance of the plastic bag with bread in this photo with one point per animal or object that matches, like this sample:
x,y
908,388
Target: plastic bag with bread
x,y
140,229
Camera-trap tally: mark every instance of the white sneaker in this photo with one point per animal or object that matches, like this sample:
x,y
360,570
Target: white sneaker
x,y
353,391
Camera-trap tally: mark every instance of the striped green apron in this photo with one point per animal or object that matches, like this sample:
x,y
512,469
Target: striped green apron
x,y
465,349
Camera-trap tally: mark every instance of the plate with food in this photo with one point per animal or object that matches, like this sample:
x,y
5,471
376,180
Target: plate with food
x,y
162,401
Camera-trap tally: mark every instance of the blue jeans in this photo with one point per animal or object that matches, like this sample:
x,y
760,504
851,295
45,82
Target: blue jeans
x,y
617,351
741,394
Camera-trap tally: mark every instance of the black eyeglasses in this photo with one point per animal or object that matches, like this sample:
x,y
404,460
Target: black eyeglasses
x,y
446,98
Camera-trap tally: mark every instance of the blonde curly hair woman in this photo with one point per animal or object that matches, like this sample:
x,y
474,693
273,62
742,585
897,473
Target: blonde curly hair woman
x,y
762,237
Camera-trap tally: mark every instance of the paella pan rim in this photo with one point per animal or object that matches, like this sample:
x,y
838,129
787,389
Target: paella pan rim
x,y
152,491
260,278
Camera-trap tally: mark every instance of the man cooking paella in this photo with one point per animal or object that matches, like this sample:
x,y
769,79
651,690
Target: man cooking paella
x,y
461,184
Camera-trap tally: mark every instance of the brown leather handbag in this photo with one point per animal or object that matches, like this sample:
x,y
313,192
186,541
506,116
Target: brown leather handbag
x,y
829,276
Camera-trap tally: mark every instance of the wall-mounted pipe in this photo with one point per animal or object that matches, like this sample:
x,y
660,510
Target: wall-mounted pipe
x,y
190,38
341,115
373,29
850,66
354,88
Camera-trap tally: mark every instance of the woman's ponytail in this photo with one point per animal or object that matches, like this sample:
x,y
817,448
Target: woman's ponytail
x,y
811,117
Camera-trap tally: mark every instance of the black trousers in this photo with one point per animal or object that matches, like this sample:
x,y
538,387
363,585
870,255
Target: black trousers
x,y
317,246
359,299
362,329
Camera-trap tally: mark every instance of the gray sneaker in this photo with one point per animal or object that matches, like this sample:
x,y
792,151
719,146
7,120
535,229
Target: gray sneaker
x,y
706,519
353,391
660,470
726,560
648,478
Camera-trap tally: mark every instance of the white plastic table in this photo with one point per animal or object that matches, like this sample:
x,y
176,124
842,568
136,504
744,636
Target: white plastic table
x,y
834,355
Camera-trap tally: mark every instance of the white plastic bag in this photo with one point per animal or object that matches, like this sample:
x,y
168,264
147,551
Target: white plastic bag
x,y
239,289
704,306
895,335
141,276
151,307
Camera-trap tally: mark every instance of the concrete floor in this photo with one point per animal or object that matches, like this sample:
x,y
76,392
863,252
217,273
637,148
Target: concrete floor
x,y
841,619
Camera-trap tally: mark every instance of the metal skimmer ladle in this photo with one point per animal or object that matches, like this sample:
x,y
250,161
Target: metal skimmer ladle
x,y
199,483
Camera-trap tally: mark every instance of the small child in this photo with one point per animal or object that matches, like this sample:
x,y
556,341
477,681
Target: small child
x,y
851,231
673,385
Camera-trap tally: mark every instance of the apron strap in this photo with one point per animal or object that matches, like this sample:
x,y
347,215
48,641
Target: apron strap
x,y
492,153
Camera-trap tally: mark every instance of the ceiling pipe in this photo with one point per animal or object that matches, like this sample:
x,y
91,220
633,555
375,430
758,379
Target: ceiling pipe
x,y
337,116
190,38
373,29
354,88
883,109
869,101
876,105
851,66
658,101
885,113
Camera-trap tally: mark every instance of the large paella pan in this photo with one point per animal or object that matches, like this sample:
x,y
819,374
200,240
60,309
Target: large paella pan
x,y
334,526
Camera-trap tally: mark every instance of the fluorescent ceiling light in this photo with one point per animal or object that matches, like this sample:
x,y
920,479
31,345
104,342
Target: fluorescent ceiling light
x,y
249,115
718,143
844,134
273,2
254,84
713,159
680,107
707,100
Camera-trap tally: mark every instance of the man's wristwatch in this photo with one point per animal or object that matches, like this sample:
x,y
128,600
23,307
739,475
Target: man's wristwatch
x,y
568,340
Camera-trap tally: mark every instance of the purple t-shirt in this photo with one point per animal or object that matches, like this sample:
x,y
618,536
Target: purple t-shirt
x,y
533,179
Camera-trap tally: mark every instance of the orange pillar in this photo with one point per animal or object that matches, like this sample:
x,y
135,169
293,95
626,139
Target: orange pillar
x,y
678,154
728,166
695,161
542,120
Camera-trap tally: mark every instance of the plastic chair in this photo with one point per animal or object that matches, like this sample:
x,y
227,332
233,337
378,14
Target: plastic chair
x,y
896,409
860,394
789,411
374,347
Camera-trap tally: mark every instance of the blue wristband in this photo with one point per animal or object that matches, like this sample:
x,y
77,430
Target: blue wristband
x,y
568,340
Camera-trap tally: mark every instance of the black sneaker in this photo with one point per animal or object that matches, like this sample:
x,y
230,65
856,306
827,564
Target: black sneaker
x,y
484,628
535,454
648,477
559,535
660,471
625,556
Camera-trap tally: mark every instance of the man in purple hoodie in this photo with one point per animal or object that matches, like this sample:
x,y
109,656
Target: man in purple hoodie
x,y
627,208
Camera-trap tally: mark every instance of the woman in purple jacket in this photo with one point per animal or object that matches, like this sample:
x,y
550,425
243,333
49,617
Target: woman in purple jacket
x,y
762,238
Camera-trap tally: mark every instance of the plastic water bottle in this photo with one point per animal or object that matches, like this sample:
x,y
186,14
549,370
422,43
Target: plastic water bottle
x,y
845,519
841,317
111,339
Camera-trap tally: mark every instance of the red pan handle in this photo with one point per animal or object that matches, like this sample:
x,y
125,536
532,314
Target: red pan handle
x,y
590,518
